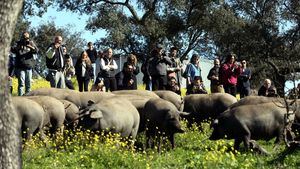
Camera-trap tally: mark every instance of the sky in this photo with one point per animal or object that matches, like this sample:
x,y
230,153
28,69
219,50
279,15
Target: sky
x,y
63,18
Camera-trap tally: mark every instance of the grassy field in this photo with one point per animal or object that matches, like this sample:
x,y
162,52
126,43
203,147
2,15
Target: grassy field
x,y
193,150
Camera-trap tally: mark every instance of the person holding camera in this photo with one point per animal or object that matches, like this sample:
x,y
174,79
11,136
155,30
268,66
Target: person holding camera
x,y
93,55
158,68
243,83
213,76
127,77
192,70
173,86
24,62
174,70
197,87
55,63
229,73
69,69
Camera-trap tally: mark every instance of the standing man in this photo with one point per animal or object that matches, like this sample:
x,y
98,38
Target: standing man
x,y
92,53
24,50
175,68
243,83
108,67
55,63
267,89
158,68
213,76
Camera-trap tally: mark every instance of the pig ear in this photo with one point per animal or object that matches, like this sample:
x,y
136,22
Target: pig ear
x,y
90,102
96,114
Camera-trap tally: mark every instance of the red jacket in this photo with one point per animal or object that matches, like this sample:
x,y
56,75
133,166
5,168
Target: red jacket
x,y
229,73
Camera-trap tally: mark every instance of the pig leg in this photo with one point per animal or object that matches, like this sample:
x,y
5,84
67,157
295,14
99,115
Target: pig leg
x,y
159,137
237,143
246,141
256,147
171,138
149,139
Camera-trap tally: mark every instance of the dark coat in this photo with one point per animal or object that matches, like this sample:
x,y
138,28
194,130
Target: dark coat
x,y
271,92
24,54
243,79
92,55
78,70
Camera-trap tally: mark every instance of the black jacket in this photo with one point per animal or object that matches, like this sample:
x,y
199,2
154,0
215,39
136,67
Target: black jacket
x,y
214,72
11,65
89,73
57,61
92,55
24,54
243,79
159,66
271,92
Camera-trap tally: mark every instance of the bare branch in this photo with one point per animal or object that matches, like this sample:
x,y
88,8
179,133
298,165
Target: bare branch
x,y
274,66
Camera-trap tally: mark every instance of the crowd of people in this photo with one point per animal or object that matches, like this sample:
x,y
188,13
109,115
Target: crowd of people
x,y
161,71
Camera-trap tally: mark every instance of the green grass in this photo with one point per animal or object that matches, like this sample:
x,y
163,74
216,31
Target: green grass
x,y
193,150
87,150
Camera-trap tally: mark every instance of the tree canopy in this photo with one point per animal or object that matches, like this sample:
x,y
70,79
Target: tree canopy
x,y
264,32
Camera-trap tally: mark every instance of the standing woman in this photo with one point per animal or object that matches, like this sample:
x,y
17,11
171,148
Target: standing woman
x,y
130,70
193,70
108,66
84,71
229,73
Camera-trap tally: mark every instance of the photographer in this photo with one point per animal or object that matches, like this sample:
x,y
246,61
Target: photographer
x,y
24,62
158,68
196,87
127,77
174,70
229,73
69,69
55,63
243,84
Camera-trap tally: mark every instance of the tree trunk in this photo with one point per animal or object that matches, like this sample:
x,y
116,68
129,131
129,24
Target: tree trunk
x,y
10,148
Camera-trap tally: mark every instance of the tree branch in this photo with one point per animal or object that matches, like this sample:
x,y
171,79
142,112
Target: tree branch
x,y
274,66
149,12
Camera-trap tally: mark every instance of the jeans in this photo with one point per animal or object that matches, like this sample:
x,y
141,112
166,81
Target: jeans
x,y
69,84
94,70
83,83
159,82
24,79
245,91
110,83
57,79
230,89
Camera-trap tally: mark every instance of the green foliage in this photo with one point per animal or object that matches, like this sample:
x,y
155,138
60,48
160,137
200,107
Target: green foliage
x,y
265,33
